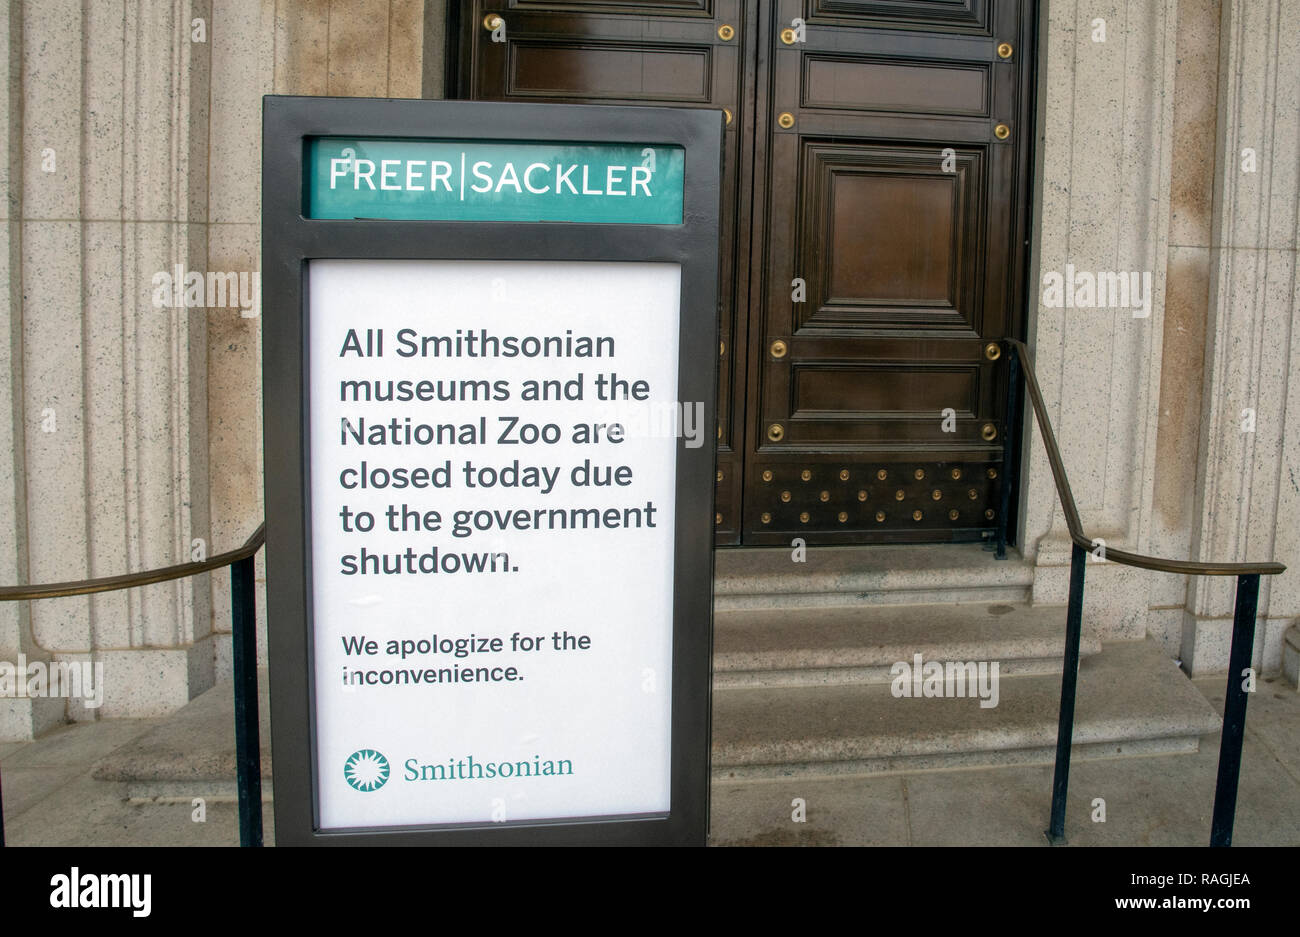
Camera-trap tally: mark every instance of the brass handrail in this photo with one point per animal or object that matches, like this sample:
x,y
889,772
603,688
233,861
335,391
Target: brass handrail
x,y
1240,653
1072,520
56,590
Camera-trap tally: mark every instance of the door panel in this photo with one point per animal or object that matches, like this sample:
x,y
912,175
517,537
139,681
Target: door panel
x,y
669,53
864,84
886,239
955,15
673,7
873,241
595,72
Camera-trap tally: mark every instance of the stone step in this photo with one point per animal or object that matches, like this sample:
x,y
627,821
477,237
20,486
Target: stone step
x,y
860,576
1132,700
841,645
192,753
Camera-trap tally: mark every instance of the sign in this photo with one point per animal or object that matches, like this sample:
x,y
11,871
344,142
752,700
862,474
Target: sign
x,y
430,180
490,548
489,381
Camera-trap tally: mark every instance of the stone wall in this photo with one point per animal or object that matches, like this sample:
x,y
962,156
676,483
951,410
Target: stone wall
x,y
1143,167
1248,490
133,430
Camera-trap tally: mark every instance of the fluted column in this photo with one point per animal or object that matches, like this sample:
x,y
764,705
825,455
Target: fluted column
x,y
1105,137
1248,493
111,407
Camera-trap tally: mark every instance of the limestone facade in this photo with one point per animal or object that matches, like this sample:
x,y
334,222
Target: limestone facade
x,y
133,431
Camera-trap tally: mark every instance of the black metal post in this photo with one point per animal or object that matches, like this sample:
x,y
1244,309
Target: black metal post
x,y
1008,445
1069,682
2,819
248,743
1234,711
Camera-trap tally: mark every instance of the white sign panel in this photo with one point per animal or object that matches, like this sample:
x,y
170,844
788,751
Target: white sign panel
x,y
492,496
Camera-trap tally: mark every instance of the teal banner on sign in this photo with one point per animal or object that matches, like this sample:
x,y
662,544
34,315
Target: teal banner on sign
x,y
454,180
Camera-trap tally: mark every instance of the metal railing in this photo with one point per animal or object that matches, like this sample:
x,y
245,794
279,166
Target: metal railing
x,y
1243,628
243,621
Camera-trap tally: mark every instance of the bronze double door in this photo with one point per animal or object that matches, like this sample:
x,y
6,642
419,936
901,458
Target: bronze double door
x,y
876,179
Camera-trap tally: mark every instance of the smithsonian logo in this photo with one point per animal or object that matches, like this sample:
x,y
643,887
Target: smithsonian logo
x,y
368,770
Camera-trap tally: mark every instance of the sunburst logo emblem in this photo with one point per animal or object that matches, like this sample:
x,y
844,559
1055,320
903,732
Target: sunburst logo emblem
x,y
366,770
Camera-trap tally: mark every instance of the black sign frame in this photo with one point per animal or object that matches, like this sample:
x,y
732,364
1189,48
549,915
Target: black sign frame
x,y
290,240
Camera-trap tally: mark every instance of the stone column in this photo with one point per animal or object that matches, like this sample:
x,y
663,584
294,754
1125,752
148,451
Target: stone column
x,y
112,450
1248,495
20,718
244,41
1105,118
